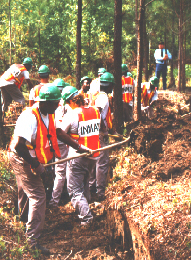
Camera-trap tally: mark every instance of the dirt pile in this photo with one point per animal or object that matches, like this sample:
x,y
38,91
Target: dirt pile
x,y
153,191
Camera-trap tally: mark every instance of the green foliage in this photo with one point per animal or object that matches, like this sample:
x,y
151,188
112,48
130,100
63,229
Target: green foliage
x,y
188,244
5,173
2,246
188,225
46,32
188,71
116,178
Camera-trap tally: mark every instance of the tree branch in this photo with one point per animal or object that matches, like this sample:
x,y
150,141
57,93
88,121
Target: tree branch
x,y
149,3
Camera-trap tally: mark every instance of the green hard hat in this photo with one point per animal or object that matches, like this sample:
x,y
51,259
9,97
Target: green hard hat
x,y
68,92
129,75
85,78
27,61
59,82
43,69
107,77
154,81
67,84
101,70
49,92
124,67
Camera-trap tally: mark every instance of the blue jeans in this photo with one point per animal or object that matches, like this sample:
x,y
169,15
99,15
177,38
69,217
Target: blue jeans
x,y
161,68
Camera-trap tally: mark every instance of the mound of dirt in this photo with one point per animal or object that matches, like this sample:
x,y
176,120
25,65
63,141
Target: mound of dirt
x,y
153,191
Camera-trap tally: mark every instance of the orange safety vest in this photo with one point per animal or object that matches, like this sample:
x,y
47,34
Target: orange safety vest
x,y
37,89
46,140
108,116
127,82
15,71
145,96
88,128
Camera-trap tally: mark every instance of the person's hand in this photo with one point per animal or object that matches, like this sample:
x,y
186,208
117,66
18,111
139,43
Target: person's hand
x,y
84,149
38,170
165,57
106,138
118,137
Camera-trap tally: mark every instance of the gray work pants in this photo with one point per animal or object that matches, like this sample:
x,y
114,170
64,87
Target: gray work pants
x,y
98,175
30,187
60,176
9,93
78,185
127,112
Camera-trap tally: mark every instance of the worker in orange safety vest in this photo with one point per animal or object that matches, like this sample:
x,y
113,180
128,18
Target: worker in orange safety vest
x,y
149,94
33,144
101,100
85,83
83,124
43,73
127,96
127,83
11,81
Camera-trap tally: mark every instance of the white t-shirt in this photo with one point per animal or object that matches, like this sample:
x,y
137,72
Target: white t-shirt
x,y
12,70
60,113
32,94
95,86
102,102
26,127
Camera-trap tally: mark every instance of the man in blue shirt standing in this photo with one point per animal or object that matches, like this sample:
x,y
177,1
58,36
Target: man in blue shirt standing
x,y
162,55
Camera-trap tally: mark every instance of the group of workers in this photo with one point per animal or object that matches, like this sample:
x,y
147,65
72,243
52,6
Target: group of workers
x,y
62,122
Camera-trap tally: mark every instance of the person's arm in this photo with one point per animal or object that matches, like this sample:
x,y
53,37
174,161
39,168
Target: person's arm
x,y
67,139
30,85
31,103
23,152
31,97
169,55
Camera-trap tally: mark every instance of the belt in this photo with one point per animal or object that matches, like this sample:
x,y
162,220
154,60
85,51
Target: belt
x,y
161,63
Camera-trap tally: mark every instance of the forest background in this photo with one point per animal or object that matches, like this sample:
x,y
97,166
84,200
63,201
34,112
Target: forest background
x,y
46,31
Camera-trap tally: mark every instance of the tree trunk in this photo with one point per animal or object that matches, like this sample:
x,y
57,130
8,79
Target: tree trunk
x,y
184,59
180,55
118,105
15,34
39,44
39,38
78,40
145,43
137,96
172,79
1,125
136,17
10,50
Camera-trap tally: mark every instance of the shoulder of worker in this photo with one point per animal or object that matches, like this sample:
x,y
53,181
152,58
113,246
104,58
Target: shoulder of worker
x,y
102,100
102,95
146,84
95,85
26,118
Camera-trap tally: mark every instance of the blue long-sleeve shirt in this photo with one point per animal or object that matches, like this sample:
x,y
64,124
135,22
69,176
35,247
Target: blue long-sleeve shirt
x,y
159,57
